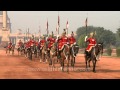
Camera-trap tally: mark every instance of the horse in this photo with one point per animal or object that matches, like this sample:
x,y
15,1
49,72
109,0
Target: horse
x,y
43,53
21,49
73,52
53,55
10,49
93,54
32,50
65,52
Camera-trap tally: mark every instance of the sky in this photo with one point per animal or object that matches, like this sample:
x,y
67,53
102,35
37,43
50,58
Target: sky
x,y
23,20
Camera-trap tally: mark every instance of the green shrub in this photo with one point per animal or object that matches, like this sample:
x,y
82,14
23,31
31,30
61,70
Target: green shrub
x,y
109,51
118,52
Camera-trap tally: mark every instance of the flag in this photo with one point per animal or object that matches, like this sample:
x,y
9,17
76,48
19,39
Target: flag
x,y
86,21
67,25
58,21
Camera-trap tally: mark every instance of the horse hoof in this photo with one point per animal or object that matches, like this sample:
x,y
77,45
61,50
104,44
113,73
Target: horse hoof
x,y
94,71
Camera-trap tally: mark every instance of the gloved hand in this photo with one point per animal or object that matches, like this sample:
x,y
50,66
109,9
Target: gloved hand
x,y
86,38
57,36
75,43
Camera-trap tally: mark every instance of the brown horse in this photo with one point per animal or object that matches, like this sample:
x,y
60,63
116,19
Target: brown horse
x,y
21,49
93,54
43,53
53,55
65,52
11,49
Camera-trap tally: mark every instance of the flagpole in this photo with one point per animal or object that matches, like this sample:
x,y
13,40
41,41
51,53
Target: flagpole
x,y
58,22
86,26
47,28
28,33
67,27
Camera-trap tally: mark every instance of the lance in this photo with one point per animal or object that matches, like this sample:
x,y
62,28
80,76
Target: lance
x,y
86,28
58,22
28,33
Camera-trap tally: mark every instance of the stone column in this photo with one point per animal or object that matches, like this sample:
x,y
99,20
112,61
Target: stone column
x,y
5,31
4,19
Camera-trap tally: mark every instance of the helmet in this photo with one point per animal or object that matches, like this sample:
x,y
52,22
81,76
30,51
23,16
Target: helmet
x,y
72,34
43,37
91,34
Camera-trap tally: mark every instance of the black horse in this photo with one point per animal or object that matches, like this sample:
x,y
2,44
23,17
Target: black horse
x,y
93,54
73,52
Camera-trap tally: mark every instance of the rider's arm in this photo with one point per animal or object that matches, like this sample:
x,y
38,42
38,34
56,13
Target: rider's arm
x,y
86,38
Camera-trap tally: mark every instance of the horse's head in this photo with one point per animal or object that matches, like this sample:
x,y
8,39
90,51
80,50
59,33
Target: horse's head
x,y
100,47
53,49
76,49
67,49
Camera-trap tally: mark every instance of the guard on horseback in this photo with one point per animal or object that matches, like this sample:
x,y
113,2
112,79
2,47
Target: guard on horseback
x,y
51,40
32,42
72,40
74,48
92,43
20,43
9,44
42,42
61,42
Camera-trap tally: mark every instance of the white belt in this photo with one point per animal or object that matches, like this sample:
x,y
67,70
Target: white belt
x,y
91,44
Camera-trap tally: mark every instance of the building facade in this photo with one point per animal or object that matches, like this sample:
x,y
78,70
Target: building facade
x,y
6,34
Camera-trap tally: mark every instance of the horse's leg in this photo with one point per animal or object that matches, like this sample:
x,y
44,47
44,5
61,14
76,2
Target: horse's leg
x,y
31,55
6,51
93,61
62,64
40,56
12,52
74,60
53,62
86,61
9,51
89,62
68,65
94,66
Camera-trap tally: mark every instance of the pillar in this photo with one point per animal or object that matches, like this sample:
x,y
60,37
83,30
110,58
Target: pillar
x,y
4,19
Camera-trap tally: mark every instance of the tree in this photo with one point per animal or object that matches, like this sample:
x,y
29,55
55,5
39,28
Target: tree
x,y
118,32
117,37
81,41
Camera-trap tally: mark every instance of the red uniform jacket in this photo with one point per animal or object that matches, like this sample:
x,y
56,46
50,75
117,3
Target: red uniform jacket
x,y
31,42
36,43
72,40
91,44
64,40
42,42
51,41
19,44
10,45
60,44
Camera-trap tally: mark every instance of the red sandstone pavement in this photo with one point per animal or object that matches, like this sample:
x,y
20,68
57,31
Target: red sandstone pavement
x,y
18,67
